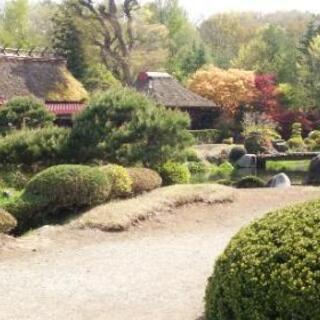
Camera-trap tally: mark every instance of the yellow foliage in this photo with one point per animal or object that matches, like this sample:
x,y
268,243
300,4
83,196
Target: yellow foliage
x,y
229,89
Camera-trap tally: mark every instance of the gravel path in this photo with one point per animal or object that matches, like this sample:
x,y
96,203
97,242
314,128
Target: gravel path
x,y
156,271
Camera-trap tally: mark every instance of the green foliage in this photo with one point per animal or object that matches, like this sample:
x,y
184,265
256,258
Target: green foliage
x,y
237,153
175,173
33,146
272,51
257,142
127,128
312,142
224,182
70,186
144,180
197,168
208,136
7,222
270,269
56,191
191,156
121,182
15,179
24,112
296,142
229,141
250,182
224,170
67,40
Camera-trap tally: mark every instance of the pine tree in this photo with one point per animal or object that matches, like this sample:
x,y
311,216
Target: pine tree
x,y
67,41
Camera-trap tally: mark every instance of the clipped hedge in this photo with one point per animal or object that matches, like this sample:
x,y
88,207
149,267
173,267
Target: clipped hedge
x,y
250,182
121,182
208,136
257,142
7,221
175,173
144,180
270,269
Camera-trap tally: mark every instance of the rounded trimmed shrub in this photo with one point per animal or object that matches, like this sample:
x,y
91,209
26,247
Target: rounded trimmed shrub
x,y
7,222
121,182
313,176
250,182
70,186
237,153
144,180
175,173
270,270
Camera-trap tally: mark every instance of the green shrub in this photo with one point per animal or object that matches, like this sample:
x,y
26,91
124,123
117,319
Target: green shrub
x,y
197,168
224,182
250,182
270,270
70,186
24,112
144,180
56,191
121,182
191,155
296,144
127,128
33,146
14,179
222,171
208,136
237,153
257,142
7,221
314,135
175,173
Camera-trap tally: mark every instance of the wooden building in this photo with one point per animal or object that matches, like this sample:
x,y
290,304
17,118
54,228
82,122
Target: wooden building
x,y
167,91
44,76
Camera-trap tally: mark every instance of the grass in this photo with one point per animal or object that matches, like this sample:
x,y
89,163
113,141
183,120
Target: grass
x,y
120,215
301,165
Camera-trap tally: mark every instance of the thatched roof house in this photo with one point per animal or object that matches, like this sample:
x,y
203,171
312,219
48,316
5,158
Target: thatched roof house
x,y
43,76
166,90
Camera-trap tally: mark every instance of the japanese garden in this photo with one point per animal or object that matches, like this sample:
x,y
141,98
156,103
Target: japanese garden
x,y
157,164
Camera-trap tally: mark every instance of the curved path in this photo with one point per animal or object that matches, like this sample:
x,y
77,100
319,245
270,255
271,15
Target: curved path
x,y
156,271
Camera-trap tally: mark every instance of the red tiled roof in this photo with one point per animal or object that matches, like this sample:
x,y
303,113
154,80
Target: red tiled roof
x,y
65,108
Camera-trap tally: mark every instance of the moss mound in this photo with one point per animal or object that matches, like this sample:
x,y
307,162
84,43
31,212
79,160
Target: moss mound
x,y
270,270
7,221
144,180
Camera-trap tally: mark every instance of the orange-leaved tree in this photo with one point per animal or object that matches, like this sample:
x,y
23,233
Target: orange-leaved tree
x,y
230,89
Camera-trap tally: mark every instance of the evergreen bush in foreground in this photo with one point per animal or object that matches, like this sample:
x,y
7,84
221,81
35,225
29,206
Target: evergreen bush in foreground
x,y
270,269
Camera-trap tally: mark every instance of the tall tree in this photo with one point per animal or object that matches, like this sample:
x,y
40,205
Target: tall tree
x,y
66,40
271,52
14,23
111,32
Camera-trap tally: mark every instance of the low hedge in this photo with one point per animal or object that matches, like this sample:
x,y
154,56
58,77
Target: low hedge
x,y
175,173
237,153
208,136
270,269
7,221
250,182
121,182
144,180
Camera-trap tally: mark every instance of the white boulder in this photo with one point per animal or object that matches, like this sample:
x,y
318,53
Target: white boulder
x,y
247,161
280,181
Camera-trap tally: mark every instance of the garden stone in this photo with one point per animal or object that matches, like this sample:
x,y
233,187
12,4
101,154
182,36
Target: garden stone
x,y
247,161
280,181
313,177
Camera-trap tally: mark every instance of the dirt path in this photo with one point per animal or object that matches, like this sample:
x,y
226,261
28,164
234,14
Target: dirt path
x,y
156,271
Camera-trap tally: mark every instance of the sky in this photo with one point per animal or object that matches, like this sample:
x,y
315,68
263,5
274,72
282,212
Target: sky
x,y
199,9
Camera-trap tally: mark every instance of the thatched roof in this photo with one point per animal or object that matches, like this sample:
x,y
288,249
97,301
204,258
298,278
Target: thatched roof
x,y
44,77
167,91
